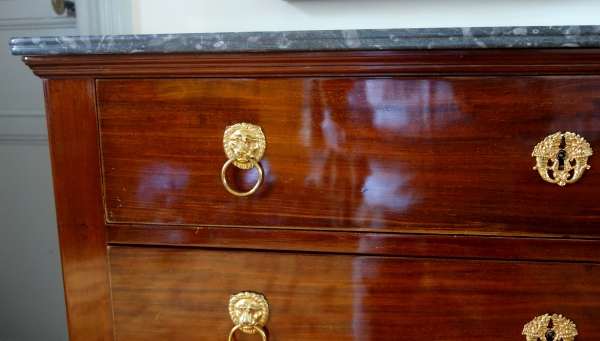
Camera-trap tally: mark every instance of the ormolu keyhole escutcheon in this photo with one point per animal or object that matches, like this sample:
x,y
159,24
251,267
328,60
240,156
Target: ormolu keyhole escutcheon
x,y
560,165
550,328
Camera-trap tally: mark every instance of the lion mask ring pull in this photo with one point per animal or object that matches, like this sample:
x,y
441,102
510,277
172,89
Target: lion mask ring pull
x,y
249,312
244,145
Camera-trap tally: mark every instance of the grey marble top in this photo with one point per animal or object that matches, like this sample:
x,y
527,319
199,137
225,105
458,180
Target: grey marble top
x,y
342,40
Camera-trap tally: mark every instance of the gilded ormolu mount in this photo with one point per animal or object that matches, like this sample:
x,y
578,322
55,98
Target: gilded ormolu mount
x,y
550,328
249,312
244,145
562,165
242,142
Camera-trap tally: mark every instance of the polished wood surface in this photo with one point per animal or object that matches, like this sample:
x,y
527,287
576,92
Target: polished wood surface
x,y
290,64
399,199
183,294
447,155
72,131
359,243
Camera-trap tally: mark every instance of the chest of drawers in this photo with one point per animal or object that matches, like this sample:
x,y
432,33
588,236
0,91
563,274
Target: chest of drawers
x,y
398,198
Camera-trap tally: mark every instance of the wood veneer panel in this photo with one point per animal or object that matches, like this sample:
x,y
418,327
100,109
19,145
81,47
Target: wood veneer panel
x,y
73,135
416,245
178,294
431,155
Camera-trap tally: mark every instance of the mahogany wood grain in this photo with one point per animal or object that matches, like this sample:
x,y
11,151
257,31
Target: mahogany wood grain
x,y
72,130
179,294
448,155
389,244
371,156
319,64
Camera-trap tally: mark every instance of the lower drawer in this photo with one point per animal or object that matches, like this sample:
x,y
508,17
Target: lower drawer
x,y
183,294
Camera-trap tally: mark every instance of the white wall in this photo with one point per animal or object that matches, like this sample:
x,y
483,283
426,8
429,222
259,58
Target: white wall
x,y
196,16
32,305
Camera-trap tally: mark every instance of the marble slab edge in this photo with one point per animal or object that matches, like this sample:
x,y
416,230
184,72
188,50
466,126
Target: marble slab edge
x,y
339,40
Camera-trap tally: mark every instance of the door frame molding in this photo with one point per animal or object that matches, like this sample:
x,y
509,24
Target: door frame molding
x,y
104,17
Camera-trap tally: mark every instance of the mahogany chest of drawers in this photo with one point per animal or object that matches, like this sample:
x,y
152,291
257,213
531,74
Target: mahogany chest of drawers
x,y
398,197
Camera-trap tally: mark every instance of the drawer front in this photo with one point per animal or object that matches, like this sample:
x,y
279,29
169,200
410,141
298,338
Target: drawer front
x,y
437,155
183,294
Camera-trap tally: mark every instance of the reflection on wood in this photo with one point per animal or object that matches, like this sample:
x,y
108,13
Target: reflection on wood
x,y
446,155
184,295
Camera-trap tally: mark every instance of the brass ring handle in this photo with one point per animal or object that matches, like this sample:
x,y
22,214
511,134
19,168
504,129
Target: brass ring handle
x,y
242,194
249,312
258,329
244,145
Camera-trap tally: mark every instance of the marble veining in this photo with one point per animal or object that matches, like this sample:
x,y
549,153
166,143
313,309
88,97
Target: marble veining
x,y
341,40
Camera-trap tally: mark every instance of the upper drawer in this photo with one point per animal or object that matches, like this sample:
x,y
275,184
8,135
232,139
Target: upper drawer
x,y
437,155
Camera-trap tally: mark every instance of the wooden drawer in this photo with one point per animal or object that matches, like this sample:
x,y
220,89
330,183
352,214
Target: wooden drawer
x,y
428,155
183,294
